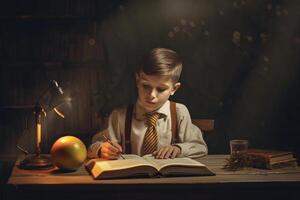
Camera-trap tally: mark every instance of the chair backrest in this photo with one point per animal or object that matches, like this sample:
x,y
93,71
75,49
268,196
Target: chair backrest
x,y
205,125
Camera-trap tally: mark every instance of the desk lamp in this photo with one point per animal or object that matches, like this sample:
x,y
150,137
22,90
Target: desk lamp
x,y
47,101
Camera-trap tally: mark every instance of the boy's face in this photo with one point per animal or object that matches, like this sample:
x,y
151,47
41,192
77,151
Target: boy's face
x,y
154,91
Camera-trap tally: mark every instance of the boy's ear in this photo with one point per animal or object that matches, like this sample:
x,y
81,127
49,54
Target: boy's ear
x,y
176,87
137,77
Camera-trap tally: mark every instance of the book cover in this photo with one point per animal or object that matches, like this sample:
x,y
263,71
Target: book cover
x,y
275,165
270,155
271,159
147,166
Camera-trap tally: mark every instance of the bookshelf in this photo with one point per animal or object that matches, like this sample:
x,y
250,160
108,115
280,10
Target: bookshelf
x,y
59,40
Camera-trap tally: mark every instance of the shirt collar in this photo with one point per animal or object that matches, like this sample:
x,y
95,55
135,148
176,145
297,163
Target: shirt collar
x,y
139,112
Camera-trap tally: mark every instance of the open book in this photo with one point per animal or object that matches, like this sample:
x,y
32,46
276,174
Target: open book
x,y
146,166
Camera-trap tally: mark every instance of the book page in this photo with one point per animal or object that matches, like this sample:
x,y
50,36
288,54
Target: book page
x,y
102,169
122,164
129,161
161,163
126,156
131,156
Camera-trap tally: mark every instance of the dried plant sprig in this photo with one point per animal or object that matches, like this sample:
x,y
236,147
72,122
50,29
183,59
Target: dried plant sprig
x,y
237,161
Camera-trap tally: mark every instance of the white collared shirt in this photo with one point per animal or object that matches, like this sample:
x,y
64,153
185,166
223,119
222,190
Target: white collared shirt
x,y
190,137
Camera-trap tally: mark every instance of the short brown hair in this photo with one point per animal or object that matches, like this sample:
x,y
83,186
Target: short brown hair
x,y
161,61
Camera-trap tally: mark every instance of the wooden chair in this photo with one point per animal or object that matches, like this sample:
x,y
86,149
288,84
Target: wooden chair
x,y
205,125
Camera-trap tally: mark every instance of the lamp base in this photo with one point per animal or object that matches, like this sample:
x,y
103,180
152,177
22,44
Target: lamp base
x,y
36,162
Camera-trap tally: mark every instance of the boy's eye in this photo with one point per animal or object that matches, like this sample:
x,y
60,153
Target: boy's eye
x,y
161,89
146,86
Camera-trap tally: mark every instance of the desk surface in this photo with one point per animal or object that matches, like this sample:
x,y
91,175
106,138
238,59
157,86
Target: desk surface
x,y
214,162
247,183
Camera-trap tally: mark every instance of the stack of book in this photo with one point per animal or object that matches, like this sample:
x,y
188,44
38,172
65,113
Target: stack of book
x,y
271,159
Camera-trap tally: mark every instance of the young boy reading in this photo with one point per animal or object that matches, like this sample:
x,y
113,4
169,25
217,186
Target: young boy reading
x,y
148,126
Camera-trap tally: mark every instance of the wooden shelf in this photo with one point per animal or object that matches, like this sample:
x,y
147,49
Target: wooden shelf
x,y
48,17
52,64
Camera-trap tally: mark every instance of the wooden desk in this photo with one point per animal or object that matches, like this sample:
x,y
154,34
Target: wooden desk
x,y
243,184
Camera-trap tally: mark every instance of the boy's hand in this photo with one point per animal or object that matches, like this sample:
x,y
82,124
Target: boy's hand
x,y
169,151
109,151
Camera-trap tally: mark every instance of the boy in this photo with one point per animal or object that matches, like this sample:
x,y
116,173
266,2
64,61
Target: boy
x,y
151,130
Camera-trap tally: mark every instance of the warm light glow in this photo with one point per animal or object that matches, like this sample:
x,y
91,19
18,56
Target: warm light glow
x,y
58,113
68,99
76,146
63,140
39,133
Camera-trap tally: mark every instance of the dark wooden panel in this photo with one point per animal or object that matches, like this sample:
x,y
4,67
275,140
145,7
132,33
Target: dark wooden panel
x,y
81,118
50,42
58,40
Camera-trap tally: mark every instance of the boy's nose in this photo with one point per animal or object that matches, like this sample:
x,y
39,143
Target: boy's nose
x,y
153,93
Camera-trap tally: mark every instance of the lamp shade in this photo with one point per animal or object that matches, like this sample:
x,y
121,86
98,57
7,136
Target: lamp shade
x,y
51,97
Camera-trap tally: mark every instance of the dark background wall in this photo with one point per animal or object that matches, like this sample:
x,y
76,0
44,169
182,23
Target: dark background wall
x,y
241,65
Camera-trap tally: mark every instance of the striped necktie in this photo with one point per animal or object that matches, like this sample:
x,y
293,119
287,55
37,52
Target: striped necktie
x,y
150,139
